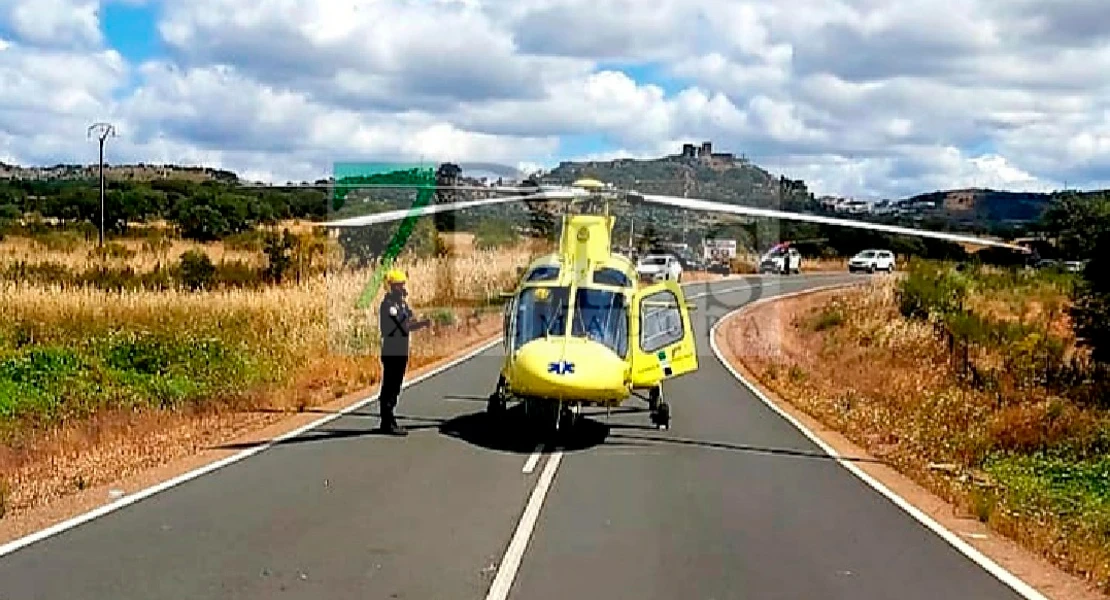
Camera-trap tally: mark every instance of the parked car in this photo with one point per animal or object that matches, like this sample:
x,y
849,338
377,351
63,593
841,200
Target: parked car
x,y
1075,266
871,261
783,261
658,267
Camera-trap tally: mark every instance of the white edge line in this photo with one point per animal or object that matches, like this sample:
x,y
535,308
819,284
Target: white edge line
x,y
1019,586
165,485
532,460
129,499
506,571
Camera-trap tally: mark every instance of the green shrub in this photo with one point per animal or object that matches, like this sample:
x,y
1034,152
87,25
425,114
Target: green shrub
x,y
929,290
197,270
829,318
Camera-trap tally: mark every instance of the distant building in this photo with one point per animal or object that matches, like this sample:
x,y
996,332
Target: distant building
x,y
705,153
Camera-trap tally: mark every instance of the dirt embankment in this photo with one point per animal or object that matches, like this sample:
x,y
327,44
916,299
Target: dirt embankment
x,y
790,349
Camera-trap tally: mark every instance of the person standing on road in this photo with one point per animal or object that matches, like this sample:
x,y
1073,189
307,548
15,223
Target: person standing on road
x,y
395,321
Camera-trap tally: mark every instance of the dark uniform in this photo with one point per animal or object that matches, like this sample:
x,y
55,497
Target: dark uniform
x,y
394,322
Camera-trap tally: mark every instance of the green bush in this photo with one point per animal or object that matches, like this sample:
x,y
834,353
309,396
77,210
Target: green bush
x,y
929,290
828,318
238,274
197,270
75,377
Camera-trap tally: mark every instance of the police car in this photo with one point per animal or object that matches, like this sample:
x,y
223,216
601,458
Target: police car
x,y
781,259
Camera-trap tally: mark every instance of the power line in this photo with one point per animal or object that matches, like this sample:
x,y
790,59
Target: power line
x,y
104,131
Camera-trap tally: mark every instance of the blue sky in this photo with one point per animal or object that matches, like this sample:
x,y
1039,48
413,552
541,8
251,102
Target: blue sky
x,y
292,87
132,30
647,73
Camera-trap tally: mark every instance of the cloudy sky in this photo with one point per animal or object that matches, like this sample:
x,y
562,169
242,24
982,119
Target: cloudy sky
x,y
870,98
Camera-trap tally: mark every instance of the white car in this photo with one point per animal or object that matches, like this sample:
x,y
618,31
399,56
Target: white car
x,y
783,261
658,267
871,261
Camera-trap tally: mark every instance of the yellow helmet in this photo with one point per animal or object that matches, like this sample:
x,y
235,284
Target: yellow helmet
x,y
395,276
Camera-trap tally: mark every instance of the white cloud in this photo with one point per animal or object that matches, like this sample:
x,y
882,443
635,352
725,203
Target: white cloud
x,y
863,97
53,23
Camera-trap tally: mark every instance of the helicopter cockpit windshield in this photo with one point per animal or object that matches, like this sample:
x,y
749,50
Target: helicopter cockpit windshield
x,y
600,315
540,311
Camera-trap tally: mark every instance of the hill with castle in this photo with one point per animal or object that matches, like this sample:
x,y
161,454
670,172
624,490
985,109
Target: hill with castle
x,y
695,170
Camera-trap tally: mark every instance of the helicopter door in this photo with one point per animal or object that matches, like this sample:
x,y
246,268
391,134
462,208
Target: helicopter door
x,y
664,345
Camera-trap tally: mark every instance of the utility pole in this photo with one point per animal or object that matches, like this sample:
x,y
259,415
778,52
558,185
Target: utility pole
x,y
631,231
685,219
103,132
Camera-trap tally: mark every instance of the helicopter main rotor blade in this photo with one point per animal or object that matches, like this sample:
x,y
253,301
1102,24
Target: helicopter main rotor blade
x,y
708,205
397,215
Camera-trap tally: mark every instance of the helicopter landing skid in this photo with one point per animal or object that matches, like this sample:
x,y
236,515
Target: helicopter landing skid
x,y
498,400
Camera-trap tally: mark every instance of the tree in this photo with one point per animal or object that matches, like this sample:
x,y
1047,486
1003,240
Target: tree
x,y
1077,220
279,252
1091,309
197,270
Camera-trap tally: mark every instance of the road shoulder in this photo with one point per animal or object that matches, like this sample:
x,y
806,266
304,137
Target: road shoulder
x,y
1050,581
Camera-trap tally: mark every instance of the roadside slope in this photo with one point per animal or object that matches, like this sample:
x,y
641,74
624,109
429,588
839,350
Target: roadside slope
x,y
763,343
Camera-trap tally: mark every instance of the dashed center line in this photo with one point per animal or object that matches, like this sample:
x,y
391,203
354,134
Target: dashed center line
x,y
533,460
510,563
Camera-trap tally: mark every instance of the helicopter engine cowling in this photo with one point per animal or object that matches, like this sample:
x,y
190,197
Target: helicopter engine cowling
x,y
574,370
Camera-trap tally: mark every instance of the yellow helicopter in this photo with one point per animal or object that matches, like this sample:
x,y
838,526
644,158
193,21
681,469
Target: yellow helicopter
x,y
580,328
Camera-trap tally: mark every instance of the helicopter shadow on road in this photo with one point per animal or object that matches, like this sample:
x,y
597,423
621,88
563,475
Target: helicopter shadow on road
x,y
512,434
513,431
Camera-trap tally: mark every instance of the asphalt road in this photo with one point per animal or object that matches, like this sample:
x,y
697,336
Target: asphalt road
x,y
730,502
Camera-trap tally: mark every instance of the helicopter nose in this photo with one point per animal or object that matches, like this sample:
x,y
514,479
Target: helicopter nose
x,y
581,370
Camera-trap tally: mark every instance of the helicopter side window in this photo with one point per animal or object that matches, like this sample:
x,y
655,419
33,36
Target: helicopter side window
x,y
544,274
608,276
540,311
602,316
660,321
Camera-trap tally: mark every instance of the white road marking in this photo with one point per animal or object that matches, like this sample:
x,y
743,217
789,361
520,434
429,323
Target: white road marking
x,y
510,563
1019,586
532,460
165,485
125,501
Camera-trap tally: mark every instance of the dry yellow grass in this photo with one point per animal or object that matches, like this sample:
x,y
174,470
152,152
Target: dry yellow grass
x,y
452,285
75,253
315,343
